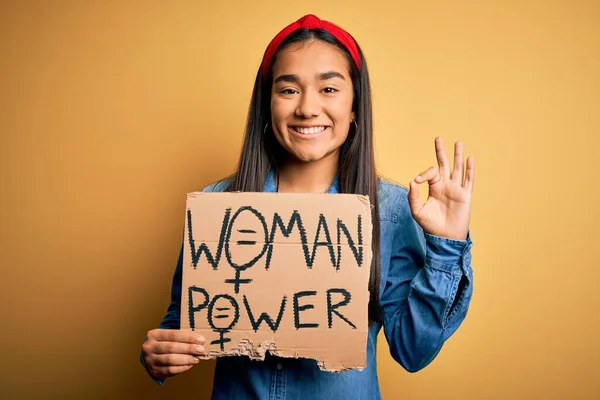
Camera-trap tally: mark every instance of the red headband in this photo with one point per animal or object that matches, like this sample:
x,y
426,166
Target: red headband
x,y
310,22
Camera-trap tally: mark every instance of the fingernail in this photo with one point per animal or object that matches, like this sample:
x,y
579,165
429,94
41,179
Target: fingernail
x,y
419,177
200,349
200,339
196,360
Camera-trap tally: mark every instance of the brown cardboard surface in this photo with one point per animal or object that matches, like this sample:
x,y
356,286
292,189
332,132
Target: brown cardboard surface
x,y
311,284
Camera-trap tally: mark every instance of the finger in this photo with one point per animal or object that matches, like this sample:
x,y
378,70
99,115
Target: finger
x,y
175,335
470,175
431,175
178,348
170,371
173,360
457,172
441,158
413,198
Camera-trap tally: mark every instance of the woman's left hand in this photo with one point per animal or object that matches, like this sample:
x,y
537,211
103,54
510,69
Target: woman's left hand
x,y
447,210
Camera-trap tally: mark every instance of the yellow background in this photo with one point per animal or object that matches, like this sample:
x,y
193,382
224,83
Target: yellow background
x,y
111,111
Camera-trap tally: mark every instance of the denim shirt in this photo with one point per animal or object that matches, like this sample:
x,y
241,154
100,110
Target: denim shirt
x,y
426,287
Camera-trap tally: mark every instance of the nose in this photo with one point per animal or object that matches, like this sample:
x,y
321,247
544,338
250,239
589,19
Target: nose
x,y
309,105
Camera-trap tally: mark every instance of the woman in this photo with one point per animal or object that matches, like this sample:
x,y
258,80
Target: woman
x,y
309,130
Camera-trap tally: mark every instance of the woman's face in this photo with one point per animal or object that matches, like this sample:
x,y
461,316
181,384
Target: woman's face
x,y
311,100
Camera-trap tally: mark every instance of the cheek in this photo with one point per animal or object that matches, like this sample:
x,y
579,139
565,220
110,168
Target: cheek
x,y
348,109
280,110
342,110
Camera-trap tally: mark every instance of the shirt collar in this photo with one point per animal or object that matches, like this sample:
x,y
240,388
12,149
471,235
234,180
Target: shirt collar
x,y
271,186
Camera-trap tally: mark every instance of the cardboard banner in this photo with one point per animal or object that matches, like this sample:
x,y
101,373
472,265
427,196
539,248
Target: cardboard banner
x,y
287,273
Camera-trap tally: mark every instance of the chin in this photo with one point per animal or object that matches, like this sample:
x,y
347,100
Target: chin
x,y
309,159
310,156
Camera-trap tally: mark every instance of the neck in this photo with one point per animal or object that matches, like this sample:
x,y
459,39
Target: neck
x,y
307,177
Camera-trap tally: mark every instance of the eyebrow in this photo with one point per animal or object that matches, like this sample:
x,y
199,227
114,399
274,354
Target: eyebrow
x,y
296,79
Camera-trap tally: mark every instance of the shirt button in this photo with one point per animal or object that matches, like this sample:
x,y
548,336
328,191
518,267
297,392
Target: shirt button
x,y
279,367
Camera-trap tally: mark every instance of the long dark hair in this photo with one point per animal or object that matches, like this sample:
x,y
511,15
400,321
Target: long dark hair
x,y
261,152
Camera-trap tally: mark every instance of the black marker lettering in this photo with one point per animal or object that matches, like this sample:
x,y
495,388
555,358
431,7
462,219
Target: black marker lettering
x,y
239,268
331,308
192,309
322,229
357,250
235,316
286,231
226,328
214,261
322,226
265,317
298,308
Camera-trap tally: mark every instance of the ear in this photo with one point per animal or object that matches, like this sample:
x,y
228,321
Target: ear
x,y
352,116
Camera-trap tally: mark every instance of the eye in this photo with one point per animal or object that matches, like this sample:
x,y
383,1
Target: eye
x,y
288,91
329,90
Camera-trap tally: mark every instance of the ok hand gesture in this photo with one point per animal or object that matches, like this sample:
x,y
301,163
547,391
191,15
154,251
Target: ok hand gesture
x,y
447,210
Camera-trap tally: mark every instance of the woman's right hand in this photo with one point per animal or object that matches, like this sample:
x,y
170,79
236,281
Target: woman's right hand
x,y
169,352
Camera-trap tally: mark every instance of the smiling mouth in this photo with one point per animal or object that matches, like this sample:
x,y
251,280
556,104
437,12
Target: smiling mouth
x,y
313,130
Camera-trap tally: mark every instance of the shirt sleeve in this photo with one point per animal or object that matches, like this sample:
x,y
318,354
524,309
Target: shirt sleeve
x,y
171,320
426,293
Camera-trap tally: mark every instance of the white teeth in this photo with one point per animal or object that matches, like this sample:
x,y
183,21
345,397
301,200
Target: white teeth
x,y
310,131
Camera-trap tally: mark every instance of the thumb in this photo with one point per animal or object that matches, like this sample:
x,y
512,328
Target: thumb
x,y
413,198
